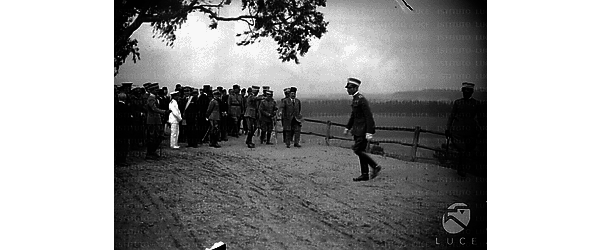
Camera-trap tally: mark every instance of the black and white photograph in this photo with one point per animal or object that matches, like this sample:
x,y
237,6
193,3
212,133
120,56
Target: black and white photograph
x,y
312,124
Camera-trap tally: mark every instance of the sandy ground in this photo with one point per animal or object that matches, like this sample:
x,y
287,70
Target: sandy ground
x,y
272,197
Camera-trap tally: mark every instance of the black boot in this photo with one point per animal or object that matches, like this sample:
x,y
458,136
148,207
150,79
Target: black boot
x,y
362,177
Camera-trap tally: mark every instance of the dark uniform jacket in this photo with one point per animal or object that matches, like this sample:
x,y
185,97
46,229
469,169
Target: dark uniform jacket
x,y
123,120
153,113
203,101
191,111
235,105
463,120
290,110
267,110
361,120
251,107
213,111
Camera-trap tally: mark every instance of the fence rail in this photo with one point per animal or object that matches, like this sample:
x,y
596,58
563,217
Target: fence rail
x,y
415,142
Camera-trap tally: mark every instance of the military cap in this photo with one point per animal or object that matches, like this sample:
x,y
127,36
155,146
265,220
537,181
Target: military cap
x,y
468,85
152,87
293,89
147,85
220,88
194,90
216,92
352,82
236,86
266,87
178,87
286,90
269,92
175,93
127,84
137,90
255,87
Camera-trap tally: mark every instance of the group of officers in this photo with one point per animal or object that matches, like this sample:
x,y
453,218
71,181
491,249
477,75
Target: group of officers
x,y
196,116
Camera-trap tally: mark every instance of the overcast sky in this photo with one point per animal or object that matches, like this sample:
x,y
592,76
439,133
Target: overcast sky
x,y
439,45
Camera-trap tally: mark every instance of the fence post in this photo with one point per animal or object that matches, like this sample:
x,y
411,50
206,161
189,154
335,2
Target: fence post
x,y
415,143
328,132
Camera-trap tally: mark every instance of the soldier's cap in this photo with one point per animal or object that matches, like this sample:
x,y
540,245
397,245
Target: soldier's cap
x,y
178,87
137,90
266,87
152,87
286,90
195,91
126,84
235,86
174,93
269,92
293,89
255,87
468,85
220,88
187,89
216,92
352,82
146,85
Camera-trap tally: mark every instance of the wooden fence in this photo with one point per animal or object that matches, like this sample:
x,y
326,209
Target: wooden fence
x,y
414,145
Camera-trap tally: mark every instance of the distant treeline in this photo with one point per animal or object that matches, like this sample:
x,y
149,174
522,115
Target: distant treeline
x,y
312,107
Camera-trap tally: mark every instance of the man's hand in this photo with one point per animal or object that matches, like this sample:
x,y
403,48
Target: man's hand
x,y
369,136
346,131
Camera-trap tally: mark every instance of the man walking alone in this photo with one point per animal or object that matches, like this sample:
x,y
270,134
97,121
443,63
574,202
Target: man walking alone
x,y
362,125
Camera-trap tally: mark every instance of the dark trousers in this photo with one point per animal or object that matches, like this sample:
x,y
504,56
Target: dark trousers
x,y
214,132
266,129
204,130
465,146
155,136
121,148
223,127
192,134
359,147
293,134
251,129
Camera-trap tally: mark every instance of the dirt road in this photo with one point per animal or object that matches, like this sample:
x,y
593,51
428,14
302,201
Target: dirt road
x,y
272,197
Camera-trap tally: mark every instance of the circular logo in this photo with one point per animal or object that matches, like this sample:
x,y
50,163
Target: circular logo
x,y
456,218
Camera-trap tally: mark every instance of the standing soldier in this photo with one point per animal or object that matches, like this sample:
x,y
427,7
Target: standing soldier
x,y
363,127
463,127
191,118
286,93
139,117
245,95
250,115
213,113
163,102
292,118
235,110
224,106
267,109
123,122
183,99
203,101
154,122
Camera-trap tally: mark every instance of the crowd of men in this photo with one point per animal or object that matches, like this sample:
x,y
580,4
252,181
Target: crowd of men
x,y
145,115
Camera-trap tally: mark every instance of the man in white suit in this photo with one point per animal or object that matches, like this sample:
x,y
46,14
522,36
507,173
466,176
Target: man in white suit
x,y
174,119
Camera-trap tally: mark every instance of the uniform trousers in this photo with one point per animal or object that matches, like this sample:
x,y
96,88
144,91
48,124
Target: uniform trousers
x,y
359,147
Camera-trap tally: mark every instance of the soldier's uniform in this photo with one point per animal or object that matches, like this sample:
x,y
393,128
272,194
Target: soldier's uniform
x,y
286,93
224,106
155,130
138,104
203,101
362,125
250,115
235,110
267,109
214,115
463,126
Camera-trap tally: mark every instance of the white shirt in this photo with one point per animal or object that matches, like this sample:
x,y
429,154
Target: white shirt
x,y
175,116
